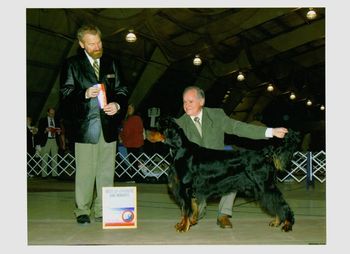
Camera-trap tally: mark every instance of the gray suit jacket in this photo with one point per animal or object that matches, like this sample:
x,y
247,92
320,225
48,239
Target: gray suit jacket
x,y
215,123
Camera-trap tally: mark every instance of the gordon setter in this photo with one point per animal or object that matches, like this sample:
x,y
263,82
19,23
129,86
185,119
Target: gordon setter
x,y
197,173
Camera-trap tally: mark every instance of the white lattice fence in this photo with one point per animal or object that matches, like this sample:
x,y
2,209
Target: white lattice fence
x,y
156,165
144,165
306,164
319,166
297,170
65,164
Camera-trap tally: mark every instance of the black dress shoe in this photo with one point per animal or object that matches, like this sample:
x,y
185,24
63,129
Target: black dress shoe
x,y
83,219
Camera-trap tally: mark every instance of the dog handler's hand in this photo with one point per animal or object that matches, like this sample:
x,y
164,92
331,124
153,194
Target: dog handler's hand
x,y
279,132
91,92
111,108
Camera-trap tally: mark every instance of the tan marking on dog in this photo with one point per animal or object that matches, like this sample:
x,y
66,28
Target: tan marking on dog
x,y
155,136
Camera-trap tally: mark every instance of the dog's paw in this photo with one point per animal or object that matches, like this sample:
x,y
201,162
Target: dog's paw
x,y
183,225
193,221
275,223
287,226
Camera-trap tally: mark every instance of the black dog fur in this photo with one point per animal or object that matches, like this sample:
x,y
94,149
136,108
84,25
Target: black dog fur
x,y
202,173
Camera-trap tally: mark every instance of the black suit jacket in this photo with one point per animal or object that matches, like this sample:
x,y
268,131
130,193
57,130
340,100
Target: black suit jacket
x,y
84,114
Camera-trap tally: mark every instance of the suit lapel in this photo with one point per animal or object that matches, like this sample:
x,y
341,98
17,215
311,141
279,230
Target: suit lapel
x,y
87,68
192,130
206,121
103,67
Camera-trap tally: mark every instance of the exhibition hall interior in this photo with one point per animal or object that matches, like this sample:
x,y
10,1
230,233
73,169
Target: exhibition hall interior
x,y
262,66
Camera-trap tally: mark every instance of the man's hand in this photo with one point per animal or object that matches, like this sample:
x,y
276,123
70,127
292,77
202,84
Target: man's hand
x,y
111,108
92,92
279,132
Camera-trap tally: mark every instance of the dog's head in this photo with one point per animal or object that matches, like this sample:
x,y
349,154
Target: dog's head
x,y
283,154
167,131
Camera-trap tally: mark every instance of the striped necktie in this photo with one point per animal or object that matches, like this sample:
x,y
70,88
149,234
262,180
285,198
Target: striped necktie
x,y
96,68
198,125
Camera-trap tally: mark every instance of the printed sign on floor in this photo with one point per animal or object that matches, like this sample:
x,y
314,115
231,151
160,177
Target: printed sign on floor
x,y
119,207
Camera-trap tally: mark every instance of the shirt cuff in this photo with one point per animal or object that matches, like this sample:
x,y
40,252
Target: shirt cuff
x,y
268,133
117,105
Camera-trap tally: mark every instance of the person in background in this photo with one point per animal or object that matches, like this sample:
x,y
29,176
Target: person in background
x,y
132,135
31,144
63,140
31,136
207,127
94,101
49,135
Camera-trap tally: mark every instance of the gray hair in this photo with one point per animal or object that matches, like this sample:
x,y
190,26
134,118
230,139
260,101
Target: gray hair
x,y
88,28
200,92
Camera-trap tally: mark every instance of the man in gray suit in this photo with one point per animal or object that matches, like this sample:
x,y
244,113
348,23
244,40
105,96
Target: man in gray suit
x,y
207,127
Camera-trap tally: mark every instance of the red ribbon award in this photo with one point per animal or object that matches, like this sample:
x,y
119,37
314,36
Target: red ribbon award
x,y
102,99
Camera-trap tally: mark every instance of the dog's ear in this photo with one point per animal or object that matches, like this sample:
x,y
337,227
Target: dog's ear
x,y
283,154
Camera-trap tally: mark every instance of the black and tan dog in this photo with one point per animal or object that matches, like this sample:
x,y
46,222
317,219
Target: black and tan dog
x,y
202,173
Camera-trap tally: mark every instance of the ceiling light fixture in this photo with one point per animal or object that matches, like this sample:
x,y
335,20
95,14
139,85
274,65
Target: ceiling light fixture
x,y
292,96
131,37
309,102
240,76
311,14
322,107
270,87
197,60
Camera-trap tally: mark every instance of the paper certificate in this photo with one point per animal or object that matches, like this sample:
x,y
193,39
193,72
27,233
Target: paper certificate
x,y
102,99
119,207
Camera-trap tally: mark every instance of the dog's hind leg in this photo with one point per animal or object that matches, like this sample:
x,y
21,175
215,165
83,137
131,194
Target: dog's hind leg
x,y
273,202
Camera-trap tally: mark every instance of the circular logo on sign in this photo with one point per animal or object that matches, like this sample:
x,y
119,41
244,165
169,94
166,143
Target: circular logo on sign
x,y
127,216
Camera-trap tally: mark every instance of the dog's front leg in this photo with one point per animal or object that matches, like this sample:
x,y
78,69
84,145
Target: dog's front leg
x,y
184,224
195,211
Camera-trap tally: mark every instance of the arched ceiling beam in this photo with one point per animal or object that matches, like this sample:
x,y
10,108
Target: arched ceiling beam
x,y
153,71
